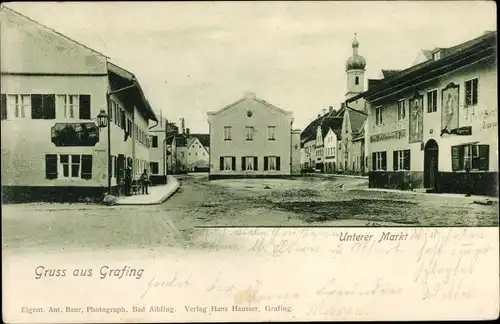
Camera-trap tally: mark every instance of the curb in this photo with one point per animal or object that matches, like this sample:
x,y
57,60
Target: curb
x,y
457,196
177,186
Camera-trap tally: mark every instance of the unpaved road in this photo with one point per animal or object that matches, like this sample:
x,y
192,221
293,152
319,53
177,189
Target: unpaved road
x,y
199,202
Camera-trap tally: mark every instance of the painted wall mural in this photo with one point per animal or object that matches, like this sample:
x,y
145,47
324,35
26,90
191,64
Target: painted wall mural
x,y
75,134
449,110
416,129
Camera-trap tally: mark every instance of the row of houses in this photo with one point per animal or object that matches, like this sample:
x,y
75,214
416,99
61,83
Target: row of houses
x,y
433,125
53,92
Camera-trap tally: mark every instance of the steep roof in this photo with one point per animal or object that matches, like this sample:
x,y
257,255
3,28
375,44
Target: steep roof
x,y
12,11
309,132
333,123
389,73
477,49
357,120
203,138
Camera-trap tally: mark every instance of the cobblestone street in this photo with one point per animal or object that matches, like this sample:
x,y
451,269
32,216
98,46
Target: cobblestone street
x,y
307,201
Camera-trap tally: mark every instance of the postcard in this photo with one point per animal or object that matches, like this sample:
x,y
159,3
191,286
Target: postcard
x,y
249,161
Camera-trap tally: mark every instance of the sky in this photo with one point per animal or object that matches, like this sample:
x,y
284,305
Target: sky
x,y
195,57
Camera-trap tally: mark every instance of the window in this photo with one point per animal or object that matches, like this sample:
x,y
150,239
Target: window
x,y
432,101
154,167
272,163
437,56
378,115
401,160
67,106
470,156
249,131
271,133
227,133
227,163
379,161
18,106
71,166
401,109
471,92
249,163
155,141
356,80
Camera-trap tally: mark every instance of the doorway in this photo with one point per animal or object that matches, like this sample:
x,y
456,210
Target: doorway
x,y
431,154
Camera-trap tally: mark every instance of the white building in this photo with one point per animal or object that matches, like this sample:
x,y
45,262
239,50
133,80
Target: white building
x,y
252,138
52,89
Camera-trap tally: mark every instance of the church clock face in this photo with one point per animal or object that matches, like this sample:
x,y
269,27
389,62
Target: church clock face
x,y
249,113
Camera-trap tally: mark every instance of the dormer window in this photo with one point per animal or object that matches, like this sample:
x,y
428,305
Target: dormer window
x,y
437,56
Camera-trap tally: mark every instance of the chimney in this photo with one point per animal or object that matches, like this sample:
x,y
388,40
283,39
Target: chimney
x,y
187,131
183,130
249,94
324,111
342,105
330,109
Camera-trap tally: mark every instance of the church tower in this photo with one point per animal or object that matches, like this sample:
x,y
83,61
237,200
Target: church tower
x,y
355,70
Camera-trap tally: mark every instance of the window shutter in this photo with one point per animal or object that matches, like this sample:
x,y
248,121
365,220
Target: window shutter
x,y
49,106
374,161
234,163
384,160
256,163
221,160
51,166
85,107
3,103
122,114
243,164
484,157
395,160
86,166
266,163
455,158
407,160
278,163
36,106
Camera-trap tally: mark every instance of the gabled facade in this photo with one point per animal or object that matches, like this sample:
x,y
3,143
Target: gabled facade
x,y
252,138
433,122
52,89
198,156
352,143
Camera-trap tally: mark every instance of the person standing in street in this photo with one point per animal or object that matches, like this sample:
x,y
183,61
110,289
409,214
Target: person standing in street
x,y
145,182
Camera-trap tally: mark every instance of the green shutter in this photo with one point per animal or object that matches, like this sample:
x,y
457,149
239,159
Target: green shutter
x,y
85,109
407,159
256,163
36,106
243,164
266,163
49,106
234,163
278,163
374,161
221,161
87,167
384,160
51,166
455,158
484,157
395,160
3,105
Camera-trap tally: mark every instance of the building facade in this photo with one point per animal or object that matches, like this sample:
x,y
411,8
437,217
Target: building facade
x,y
252,138
435,124
52,90
198,151
161,134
